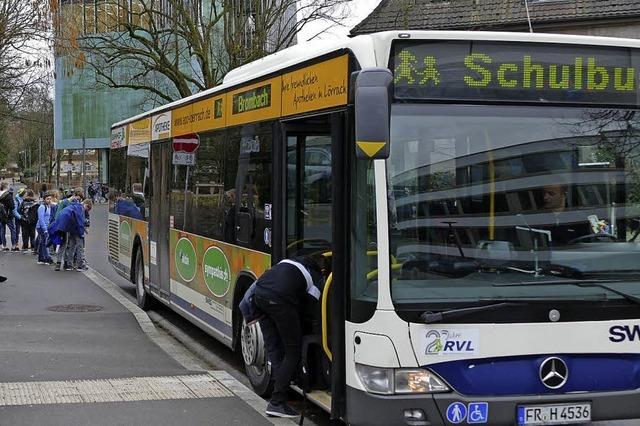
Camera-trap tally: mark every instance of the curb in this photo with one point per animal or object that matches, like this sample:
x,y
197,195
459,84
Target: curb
x,y
197,348
181,354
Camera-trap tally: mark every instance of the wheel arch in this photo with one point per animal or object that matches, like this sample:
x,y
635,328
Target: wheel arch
x,y
243,282
136,246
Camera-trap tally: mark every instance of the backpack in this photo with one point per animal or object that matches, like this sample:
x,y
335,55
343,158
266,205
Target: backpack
x,y
4,214
24,208
30,212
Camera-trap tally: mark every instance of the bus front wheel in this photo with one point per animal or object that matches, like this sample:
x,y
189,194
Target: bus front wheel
x,y
254,356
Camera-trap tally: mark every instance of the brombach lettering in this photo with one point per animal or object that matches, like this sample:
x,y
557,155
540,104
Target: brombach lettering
x,y
253,99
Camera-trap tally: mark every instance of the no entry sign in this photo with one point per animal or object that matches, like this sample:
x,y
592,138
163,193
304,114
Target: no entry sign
x,y
186,143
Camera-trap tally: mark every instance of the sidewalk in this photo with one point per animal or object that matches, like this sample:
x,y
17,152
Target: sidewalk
x,y
71,354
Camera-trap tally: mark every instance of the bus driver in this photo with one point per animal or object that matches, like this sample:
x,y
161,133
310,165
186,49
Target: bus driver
x,y
563,229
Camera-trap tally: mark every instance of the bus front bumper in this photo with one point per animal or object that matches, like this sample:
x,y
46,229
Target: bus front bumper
x,y
369,409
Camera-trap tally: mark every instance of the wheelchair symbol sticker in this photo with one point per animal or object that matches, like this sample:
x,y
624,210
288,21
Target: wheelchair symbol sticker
x,y
456,412
478,412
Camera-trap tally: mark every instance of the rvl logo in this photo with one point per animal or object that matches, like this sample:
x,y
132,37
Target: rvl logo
x,y
450,342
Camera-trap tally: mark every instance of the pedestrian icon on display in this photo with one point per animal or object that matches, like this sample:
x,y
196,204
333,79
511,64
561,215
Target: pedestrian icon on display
x,y
457,412
478,412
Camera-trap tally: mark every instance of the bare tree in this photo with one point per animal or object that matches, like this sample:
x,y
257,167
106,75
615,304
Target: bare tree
x,y
174,48
255,28
23,24
163,47
23,34
30,130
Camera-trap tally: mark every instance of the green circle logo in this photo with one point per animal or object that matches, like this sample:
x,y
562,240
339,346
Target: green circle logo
x,y
185,259
216,271
125,237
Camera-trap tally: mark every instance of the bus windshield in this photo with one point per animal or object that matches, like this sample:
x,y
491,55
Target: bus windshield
x,y
482,197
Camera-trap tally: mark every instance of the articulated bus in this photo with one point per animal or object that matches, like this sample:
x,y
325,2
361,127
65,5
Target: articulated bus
x,y
475,197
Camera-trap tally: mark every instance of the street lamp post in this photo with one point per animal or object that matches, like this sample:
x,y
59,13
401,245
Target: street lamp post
x,y
84,175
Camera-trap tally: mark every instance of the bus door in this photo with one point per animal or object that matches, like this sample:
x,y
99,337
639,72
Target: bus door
x,y
314,214
159,220
308,194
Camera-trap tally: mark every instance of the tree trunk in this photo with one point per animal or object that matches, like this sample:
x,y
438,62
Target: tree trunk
x,y
50,165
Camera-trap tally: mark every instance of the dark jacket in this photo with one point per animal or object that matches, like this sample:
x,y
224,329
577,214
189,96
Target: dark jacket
x,y
285,283
7,201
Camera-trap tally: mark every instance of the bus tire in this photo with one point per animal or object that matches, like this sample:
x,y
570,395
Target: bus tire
x,y
254,357
144,299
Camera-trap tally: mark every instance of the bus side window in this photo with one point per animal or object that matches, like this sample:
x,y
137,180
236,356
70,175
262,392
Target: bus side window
x,y
208,179
248,173
117,176
134,203
197,198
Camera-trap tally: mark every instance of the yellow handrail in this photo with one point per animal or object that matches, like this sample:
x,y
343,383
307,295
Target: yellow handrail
x,y
375,253
394,267
325,298
325,328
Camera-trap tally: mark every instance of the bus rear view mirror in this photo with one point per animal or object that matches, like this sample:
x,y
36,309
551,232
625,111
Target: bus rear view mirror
x,y
373,110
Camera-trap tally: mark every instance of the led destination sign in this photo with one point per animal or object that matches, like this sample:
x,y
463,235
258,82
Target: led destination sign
x,y
524,72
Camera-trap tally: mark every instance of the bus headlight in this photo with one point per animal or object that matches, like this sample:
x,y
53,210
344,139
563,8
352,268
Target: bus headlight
x,y
376,379
418,380
388,381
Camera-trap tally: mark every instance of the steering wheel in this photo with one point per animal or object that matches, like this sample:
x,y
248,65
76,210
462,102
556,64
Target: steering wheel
x,y
593,238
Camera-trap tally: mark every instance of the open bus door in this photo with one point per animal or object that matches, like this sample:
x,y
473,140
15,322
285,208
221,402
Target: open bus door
x,y
316,221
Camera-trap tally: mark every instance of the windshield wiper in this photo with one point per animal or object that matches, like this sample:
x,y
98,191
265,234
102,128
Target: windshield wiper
x,y
578,283
431,317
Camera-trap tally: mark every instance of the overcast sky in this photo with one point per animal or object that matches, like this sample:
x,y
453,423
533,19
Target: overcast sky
x,y
358,10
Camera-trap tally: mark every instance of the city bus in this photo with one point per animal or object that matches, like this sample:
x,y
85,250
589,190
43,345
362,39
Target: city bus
x,y
473,196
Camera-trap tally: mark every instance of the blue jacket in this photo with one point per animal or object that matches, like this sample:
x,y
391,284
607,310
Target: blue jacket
x,y
54,209
248,307
70,219
44,213
128,208
16,205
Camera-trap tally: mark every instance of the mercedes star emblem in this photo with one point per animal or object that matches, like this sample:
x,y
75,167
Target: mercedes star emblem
x,y
553,372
